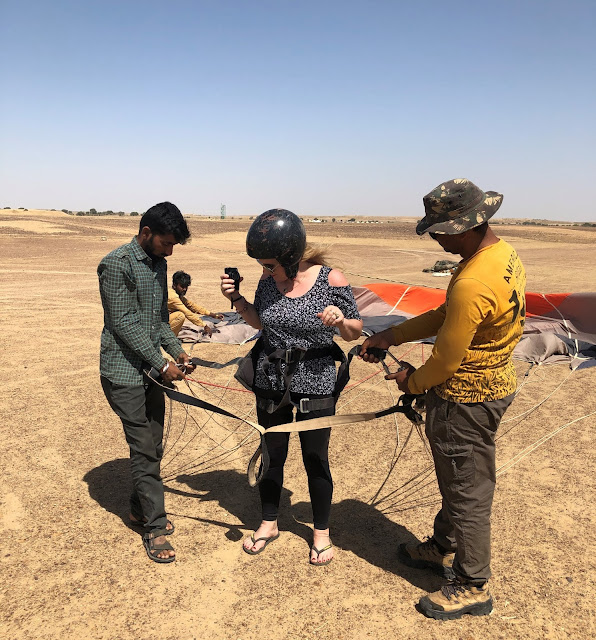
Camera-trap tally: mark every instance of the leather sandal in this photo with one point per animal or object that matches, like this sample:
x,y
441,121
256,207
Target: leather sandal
x,y
152,548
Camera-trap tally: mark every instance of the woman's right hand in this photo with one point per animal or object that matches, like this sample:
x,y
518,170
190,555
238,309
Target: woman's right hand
x,y
246,310
228,286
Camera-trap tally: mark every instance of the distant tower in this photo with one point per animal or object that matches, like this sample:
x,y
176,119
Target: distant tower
x,y
222,211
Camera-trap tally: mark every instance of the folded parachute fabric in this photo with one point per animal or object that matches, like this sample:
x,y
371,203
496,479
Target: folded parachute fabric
x,y
231,330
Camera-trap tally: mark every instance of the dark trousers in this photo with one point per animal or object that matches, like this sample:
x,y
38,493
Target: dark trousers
x,y
315,447
462,440
142,410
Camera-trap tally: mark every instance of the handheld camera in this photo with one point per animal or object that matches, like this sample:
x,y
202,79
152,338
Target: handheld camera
x,y
232,272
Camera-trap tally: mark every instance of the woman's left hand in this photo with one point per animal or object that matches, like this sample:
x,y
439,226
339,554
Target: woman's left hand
x,y
331,316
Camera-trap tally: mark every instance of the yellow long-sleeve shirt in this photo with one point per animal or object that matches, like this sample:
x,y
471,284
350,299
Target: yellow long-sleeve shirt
x,y
191,310
477,328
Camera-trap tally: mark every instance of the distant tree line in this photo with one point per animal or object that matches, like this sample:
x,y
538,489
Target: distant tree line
x,y
541,223
91,212
95,212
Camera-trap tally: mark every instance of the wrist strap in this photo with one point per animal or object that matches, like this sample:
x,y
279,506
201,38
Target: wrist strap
x,y
236,299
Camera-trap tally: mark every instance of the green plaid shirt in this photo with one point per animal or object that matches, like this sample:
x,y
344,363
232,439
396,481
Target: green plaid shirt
x,y
134,295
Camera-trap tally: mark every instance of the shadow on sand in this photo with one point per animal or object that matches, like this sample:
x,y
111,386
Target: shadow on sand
x,y
355,526
110,486
230,490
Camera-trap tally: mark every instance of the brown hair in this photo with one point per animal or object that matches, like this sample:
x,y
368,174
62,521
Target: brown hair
x,y
316,254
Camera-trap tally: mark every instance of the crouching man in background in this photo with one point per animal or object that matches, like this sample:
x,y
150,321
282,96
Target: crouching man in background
x,y
181,308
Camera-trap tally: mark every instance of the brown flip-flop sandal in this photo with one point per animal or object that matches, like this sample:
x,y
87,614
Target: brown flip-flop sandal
x,y
254,541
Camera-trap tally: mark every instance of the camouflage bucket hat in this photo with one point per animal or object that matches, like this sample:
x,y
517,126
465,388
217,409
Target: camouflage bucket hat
x,y
456,206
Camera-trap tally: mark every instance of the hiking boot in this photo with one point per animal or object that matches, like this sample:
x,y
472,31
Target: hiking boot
x,y
455,599
427,555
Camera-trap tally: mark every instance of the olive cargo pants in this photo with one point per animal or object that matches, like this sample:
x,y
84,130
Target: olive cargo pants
x,y
462,440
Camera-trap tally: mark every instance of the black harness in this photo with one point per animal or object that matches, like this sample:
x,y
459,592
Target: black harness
x,y
406,403
271,400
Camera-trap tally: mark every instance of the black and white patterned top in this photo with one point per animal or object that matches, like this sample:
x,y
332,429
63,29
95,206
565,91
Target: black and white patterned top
x,y
292,322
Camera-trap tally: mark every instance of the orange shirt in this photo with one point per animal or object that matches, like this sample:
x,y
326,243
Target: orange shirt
x,y
477,328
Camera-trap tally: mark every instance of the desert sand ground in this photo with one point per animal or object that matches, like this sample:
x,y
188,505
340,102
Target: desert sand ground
x,y
71,565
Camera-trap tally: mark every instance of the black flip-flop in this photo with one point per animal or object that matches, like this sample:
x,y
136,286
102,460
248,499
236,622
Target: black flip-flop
x,y
254,541
151,547
319,552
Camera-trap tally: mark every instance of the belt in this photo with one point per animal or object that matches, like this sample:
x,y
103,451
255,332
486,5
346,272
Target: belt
x,y
304,405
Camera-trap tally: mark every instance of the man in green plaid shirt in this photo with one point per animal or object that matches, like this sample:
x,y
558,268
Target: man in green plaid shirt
x,y
134,294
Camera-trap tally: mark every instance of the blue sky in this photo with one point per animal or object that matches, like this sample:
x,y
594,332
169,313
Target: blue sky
x,y
328,107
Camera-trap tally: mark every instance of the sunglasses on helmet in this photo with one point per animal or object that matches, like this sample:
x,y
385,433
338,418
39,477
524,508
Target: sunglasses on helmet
x,y
268,267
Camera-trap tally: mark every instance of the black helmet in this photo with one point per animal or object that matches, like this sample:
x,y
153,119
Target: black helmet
x,y
278,234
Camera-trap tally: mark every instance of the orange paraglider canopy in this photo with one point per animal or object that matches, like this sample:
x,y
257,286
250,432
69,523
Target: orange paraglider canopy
x,y
410,299
416,300
559,326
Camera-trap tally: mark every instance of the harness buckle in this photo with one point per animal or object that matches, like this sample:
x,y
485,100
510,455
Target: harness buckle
x,y
294,354
303,405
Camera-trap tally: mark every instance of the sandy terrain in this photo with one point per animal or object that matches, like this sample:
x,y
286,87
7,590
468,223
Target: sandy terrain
x,y
73,568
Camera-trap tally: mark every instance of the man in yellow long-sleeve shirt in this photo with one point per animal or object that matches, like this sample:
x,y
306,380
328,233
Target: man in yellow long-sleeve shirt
x,y
469,382
181,308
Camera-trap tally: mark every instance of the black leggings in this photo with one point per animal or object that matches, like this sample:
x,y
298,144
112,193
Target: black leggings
x,y
315,446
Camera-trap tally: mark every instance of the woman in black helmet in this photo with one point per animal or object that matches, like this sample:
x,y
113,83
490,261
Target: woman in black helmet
x,y
299,303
